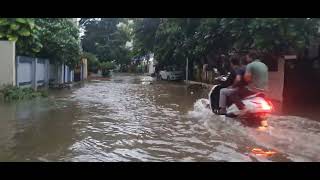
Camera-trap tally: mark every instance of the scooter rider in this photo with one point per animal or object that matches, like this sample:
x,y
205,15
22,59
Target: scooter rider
x,y
238,71
256,75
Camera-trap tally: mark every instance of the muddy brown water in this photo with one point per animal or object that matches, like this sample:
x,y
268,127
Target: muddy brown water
x,y
133,118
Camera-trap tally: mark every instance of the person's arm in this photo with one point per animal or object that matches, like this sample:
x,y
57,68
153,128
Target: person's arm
x,y
236,80
247,75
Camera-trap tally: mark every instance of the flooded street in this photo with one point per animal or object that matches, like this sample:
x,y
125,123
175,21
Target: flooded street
x,y
132,118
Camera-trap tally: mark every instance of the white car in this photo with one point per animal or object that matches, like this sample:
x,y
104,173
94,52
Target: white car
x,y
171,75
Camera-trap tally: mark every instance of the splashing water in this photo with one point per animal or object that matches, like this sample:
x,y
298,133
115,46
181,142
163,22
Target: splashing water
x,y
295,138
200,109
132,118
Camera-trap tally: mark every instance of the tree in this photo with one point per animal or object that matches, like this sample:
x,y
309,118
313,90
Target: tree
x,y
93,63
174,39
22,30
106,67
144,35
106,39
54,38
60,39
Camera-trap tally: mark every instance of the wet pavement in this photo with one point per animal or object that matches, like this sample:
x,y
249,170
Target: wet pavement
x,y
133,118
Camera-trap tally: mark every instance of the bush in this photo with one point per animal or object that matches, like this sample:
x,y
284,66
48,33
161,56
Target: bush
x,y
132,68
60,40
106,67
13,93
106,73
140,68
93,63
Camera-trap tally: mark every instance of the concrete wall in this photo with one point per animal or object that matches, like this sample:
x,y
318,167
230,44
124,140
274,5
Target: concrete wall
x,y
7,60
41,71
53,69
276,82
85,69
31,72
25,72
60,74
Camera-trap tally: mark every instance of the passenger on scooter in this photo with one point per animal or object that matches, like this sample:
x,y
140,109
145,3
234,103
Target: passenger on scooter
x,y
256,75
255,80
238,71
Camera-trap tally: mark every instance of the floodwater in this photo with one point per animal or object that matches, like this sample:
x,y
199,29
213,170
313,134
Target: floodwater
x,y
133,118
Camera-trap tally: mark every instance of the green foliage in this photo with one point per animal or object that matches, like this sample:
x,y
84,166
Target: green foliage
x,y
106,38
14,93
22,30
106,68
144,32
54,38
174,39
108,65
60,39
140,68
93,63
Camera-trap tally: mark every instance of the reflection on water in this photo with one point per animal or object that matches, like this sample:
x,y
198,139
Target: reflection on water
x,y
133,118
35,129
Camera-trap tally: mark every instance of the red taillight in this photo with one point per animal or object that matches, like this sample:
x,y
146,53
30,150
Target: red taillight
x,y
271,105
266,105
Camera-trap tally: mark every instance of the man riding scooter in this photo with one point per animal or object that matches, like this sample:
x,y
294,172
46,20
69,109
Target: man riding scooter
x,y
256,76
238,73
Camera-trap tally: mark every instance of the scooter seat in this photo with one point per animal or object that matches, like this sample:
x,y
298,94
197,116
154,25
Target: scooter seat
x,y
262,95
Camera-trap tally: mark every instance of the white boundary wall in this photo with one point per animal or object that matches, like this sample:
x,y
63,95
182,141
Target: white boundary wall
x,y
7,63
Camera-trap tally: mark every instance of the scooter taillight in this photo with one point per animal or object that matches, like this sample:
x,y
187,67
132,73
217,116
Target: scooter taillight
x,y
266,105
271,105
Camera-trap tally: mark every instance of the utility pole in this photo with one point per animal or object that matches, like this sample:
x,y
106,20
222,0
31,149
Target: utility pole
x,y
187,71
187,64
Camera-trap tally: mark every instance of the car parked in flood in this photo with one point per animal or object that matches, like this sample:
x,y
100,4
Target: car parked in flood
x,y
171,74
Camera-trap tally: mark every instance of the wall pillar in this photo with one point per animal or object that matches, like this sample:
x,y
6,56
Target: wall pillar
x,y
7,59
